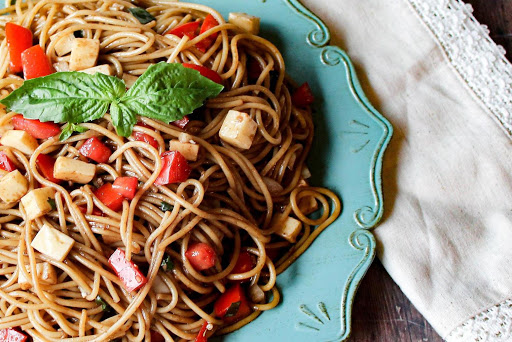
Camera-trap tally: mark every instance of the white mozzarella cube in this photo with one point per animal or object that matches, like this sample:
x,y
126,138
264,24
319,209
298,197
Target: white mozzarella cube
x,y
129,80
102,69
61,66
84,53
245,21
64,44
13,186
305,172
159,286
74,170
286,227
45,273
238,129
308,204
37,202
3,173
52,243
20,140
188,150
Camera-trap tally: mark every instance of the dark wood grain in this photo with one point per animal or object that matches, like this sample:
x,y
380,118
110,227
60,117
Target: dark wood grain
x,y
381,311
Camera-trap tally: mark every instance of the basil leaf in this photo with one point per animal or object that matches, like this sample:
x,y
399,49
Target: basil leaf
x,y
141,15
167,263
73,97
69,129
104,305
123,118
168,92
78,34
52,203
164,206
233,309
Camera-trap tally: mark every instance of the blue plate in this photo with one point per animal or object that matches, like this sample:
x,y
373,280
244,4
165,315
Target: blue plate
x,y
350,139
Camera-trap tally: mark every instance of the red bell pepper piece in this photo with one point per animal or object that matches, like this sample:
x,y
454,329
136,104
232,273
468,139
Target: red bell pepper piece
x,y
6,163
201,255
303,96
208,23
232,305
18,40
156,336
126,186
181,123
245,263
175,168
35,63
140,136
204,71
94,149
46,165
188,29
36,128
109,196
201,335
12,335
129,273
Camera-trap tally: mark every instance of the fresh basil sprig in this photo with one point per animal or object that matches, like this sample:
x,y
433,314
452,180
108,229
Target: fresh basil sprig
x,y
69,129
165,92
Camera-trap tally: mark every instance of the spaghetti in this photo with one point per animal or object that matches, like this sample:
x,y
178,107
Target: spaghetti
x,y
235,200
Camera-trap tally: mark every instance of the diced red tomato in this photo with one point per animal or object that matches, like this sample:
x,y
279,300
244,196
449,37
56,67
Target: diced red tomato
x,y
201,256
204,71
18,40
36,128
156,336
129,273
175,168
188,29
109,196
126,186
232,305
12,335
208,23
201,335
245,263
181,123
140,136
6,163
94,149
303,96
46,164
35,63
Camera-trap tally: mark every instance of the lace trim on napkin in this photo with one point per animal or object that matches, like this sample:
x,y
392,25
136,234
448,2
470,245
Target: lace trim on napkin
x,y
488,74
473,54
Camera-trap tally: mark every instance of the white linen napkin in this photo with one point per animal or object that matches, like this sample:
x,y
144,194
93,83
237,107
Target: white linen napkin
x,y
446,237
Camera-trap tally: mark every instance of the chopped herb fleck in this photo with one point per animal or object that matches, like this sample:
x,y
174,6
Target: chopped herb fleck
x,y
167,263
52,204
164,206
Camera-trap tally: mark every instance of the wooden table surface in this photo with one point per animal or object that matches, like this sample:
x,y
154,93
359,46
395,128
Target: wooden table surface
x,y
381,311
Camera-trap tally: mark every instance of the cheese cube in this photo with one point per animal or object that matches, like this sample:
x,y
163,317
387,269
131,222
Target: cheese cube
x,y
103,69
129,80
20,140
74,170
238,129
13,186
305,173
188,150
45,273
286,227
159,286
3,173
84,53
245,21
64,44
61,66
52,243
307,205
36,202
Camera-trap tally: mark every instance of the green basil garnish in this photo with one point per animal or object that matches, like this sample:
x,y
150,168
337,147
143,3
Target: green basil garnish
x,y
166,92
164,206
78,34
167,263
52,203
69,129
233,309
104,305
141,15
